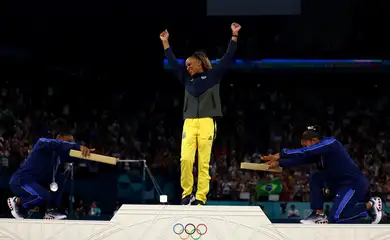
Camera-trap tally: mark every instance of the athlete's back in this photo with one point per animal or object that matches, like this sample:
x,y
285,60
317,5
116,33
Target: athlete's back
x,y
39,164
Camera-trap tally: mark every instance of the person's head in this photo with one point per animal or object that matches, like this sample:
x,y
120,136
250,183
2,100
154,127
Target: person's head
x,y
198,63
63,132
311,136
65,137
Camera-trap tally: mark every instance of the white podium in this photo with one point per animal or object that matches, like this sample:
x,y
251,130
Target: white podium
x,y
165,222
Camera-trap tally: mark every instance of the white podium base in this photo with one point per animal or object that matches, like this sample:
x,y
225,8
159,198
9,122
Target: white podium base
x,y
153,222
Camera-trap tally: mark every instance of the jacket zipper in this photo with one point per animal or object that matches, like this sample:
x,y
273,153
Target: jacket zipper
x,y
198,108
186,104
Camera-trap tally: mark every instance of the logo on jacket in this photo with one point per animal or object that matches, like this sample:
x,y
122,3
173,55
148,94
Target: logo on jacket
x,y
184,135
203,77
210,138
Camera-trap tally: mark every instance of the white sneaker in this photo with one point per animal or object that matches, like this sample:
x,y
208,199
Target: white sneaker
x,y
315,218
54,215
376,209
14,207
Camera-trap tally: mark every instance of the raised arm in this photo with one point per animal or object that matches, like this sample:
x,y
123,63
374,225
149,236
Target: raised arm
x,y
179,69
227,59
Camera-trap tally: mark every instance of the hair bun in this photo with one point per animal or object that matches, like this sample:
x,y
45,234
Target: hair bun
x,y
315,128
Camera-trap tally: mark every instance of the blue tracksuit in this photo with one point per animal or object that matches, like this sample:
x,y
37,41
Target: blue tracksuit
x,y
38,169
340,172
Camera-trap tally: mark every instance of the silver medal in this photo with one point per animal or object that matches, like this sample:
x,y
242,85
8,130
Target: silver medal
x,y
53,186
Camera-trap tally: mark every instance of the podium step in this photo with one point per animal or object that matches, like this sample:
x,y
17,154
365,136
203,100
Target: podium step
x,y
154,222
196,222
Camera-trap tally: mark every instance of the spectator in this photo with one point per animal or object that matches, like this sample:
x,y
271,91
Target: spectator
x,y
293,212
80,209
94,210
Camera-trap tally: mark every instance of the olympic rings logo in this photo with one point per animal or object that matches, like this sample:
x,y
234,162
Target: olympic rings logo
x,y
190,230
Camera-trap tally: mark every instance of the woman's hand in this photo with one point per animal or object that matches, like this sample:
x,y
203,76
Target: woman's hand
x,y
273,164
272,160
164,35
235,28
86,152
274,157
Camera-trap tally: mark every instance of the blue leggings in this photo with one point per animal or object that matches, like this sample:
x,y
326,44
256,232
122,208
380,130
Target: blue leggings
x,y
346,205
33,194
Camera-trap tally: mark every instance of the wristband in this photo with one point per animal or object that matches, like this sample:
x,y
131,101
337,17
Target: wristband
x,y
235,35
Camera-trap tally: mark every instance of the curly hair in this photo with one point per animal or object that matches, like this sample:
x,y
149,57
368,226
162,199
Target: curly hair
x,y
202,57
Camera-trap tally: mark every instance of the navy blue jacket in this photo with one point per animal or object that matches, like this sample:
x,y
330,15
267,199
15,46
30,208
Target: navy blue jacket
x,y
39,165
201,95
339,167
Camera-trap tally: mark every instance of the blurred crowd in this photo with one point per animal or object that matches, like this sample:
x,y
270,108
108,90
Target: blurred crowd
x,y
260,118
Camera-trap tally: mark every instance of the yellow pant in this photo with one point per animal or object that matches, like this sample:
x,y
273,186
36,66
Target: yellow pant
x,y
198,133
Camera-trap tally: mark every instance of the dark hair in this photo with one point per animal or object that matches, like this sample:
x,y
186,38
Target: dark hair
x,y
312,132
202,57
61,128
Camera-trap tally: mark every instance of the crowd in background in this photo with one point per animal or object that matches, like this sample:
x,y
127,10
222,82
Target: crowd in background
x,y
104,76
260,118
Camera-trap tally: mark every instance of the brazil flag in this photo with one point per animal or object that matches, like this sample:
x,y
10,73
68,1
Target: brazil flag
x,y
267,188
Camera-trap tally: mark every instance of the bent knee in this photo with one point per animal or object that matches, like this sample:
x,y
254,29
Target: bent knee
x,y
43,197
41,194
